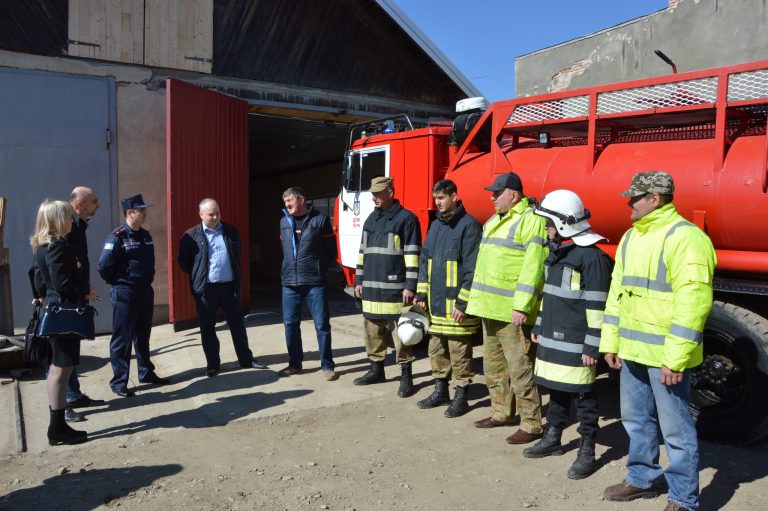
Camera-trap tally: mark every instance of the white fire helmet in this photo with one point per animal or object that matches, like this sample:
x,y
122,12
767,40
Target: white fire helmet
x,y
413,324
567,212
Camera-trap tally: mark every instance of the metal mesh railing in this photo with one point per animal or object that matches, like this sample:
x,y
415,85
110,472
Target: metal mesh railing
x,y
749,85
556,109
690,92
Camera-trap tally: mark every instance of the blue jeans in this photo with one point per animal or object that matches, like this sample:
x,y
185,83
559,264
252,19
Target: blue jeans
x,y
647,405
73,387
317,301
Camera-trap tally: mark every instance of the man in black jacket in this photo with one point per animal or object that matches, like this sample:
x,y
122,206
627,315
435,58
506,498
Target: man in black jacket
x,y
85,203
446,269
210,253
385,279
578,276
309,246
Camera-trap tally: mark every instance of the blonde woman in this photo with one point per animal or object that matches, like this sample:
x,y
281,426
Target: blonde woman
x,y
59,281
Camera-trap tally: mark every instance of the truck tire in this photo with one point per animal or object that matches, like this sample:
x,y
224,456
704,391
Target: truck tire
x,y
729,390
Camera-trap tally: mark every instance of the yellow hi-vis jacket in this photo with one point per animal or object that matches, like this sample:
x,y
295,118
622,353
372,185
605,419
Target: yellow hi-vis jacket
x,y
661,292
509,273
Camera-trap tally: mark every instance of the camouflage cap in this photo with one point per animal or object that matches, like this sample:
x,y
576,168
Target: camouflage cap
x,y
379,184
653,181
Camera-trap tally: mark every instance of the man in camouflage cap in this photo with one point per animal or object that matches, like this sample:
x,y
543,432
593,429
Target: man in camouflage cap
x,y
659,300
381,183
653,181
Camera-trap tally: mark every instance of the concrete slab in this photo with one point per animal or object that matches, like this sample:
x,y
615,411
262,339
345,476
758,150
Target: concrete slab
x,y
8,417
196,401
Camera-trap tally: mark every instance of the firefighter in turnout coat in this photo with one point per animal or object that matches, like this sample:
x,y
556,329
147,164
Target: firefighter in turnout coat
x,y
446,267
509,275
385,279
567,330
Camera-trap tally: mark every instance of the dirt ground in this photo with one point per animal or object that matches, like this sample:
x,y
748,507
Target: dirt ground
x,y
248,440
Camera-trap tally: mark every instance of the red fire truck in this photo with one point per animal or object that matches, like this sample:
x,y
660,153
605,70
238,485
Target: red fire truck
x,y
706,128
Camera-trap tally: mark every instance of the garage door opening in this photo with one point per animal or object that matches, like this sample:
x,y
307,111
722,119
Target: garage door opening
x,y
285,152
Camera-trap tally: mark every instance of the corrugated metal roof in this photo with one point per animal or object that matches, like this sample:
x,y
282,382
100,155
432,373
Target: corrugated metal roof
x,y
34,26
429,47
350,45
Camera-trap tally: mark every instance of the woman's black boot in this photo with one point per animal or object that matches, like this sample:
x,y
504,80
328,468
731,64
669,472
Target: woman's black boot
x,y
59,432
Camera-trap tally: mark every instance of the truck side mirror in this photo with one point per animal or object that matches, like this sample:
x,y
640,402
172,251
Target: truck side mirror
x,y
348,178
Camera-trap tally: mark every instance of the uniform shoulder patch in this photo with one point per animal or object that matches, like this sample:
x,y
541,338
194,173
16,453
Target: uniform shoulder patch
x,y
109,246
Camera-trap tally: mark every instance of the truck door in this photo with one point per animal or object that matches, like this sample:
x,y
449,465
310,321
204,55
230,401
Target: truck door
x,y
356,202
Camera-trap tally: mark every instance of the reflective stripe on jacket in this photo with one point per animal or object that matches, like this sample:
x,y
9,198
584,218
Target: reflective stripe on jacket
x,y
510,265
446,266
388,261
575,289
661,292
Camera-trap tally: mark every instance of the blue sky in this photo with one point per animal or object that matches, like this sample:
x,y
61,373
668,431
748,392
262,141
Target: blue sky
x,y
482,38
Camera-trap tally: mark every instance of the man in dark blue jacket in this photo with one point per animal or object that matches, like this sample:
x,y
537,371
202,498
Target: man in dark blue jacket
x,y
309,246
210,253
127,264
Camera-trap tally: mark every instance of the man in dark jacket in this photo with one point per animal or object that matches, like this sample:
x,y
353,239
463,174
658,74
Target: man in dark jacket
x,y
210,253
309,246
578,275
127,264
385,278
85,203
446,267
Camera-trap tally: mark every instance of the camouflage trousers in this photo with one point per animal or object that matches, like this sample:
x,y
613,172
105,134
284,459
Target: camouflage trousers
x,y
451,356
508,355
382,332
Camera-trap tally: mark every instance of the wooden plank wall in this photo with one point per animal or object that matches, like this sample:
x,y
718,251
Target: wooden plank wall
x,y
179,34
110,30
162,33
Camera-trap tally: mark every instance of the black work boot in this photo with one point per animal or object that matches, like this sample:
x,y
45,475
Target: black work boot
x,y
438,397
585,462
59,431
459,405
406,381
374,375
549,445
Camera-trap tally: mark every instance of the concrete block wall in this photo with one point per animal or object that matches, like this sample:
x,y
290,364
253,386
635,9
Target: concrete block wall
x,y
695,34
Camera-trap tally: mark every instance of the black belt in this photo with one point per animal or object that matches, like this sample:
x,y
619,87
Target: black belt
x,y
220,283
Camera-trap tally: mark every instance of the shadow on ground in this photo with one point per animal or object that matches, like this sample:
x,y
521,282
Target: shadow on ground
x,y
96,488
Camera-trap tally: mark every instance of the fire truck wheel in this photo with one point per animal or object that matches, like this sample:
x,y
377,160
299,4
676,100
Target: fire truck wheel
x,y
729,400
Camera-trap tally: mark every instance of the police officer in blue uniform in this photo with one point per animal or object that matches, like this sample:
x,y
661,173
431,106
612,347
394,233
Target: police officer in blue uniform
x,y
127,263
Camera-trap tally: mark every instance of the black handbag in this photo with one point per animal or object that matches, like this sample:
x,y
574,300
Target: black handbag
x,y
67,319
36,349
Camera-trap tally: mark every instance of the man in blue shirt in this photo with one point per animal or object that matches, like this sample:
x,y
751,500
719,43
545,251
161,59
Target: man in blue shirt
x,y
210,253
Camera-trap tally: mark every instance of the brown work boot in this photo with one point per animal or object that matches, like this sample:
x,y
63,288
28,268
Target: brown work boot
x,y
624,492
522,437
490,422
671,506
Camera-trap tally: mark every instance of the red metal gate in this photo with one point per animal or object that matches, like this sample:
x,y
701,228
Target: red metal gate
x,y
207,156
